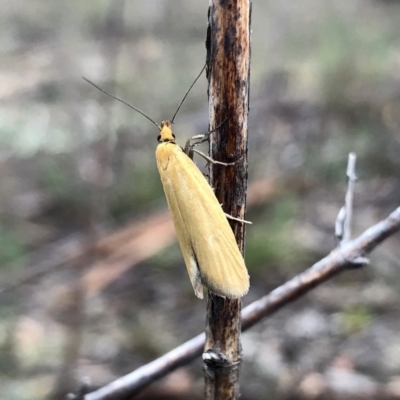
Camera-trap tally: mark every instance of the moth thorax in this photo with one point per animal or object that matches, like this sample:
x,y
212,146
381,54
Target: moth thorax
x,y
166,134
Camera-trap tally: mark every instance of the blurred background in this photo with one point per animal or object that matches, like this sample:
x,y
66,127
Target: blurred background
x,y
92,282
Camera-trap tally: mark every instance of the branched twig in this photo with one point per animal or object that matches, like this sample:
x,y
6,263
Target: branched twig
x,y
337,261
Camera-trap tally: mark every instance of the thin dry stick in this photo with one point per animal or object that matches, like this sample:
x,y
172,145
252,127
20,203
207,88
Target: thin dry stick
x,y
337,261
345,216
228,73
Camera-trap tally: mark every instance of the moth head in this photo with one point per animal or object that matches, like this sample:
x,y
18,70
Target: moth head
x,y
166,134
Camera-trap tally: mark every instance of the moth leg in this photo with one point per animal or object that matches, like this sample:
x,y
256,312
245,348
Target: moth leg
x,y
210,160
188,149
238,219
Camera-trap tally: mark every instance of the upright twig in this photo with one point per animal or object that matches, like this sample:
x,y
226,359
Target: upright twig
x,y
228,72
345,216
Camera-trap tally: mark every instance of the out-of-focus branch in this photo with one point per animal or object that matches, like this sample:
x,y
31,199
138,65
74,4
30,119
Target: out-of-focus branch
x,y
345,216
337,261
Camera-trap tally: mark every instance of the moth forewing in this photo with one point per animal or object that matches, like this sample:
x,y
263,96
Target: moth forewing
x,y
180,227
208,244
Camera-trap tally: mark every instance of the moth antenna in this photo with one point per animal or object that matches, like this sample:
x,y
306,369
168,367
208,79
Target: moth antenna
x,y
123,102
187,92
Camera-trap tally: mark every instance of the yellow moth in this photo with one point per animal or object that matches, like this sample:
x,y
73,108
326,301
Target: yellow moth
x,y
208,244
206,239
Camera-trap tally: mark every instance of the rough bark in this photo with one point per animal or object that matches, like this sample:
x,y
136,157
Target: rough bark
x,y
228,72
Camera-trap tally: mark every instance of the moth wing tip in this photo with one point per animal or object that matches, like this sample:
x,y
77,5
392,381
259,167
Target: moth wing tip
x,y
198,290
